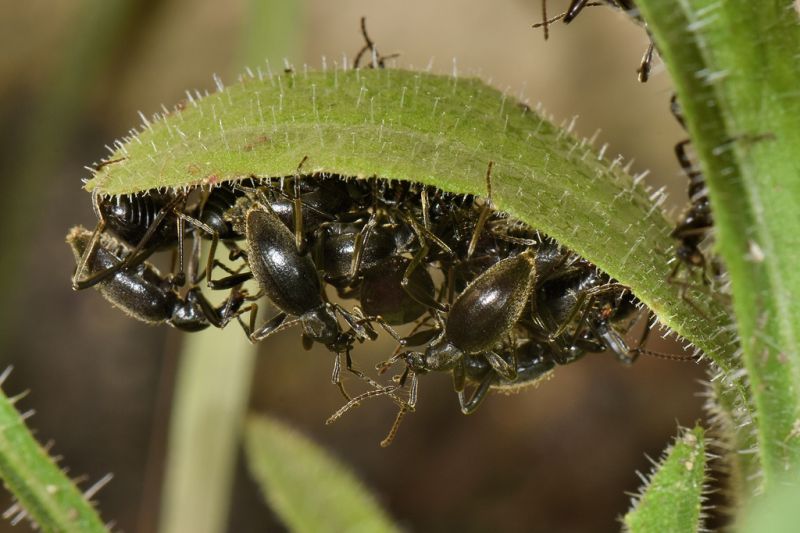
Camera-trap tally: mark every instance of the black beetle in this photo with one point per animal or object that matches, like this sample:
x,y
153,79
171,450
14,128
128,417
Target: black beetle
x,y
144,294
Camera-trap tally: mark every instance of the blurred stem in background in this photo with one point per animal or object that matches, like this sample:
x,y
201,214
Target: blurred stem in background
x,y
211,395
216,367
100,30
271,30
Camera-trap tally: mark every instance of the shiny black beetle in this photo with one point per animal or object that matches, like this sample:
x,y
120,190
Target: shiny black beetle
x,y
290,280
143,293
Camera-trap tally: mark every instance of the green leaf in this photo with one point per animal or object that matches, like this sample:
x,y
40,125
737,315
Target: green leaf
x,y
673,497
433,129
45,493
735,65
310,490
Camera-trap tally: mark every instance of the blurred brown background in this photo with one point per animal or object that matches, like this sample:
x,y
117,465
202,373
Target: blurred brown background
x,y
559,458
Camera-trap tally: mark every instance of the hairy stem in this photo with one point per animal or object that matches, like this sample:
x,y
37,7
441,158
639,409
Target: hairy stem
x,y
735,65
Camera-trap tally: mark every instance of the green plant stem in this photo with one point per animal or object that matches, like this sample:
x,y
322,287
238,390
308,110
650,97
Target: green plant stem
x,y
728,418
46,494
211,395
272,30
735,65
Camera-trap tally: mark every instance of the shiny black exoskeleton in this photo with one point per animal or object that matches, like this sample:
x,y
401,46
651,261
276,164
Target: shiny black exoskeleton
x,y
215,207
145,223
587,302
144,294
480,318
156,221
691,230
385,293
131,217
289,279
214,222
596,331
591,307
346,250
533,361
357,231
364,259
578,311
305,203
573,310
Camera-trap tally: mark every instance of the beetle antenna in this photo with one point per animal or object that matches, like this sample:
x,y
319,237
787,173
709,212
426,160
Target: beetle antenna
x,y
667,356
374,393
395,426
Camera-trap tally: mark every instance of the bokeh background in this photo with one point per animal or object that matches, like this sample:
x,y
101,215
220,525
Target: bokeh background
x,y
73,75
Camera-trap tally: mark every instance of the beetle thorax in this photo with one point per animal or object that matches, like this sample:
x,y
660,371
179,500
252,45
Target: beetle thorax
x,y
442,355
320,325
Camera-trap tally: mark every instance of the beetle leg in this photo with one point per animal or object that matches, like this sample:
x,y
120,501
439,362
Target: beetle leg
x,y
478,395
501,366
278,323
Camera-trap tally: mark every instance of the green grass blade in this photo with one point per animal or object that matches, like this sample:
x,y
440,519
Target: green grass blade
x,y
735,65
310,490
47,495
211,397
673,497
433,129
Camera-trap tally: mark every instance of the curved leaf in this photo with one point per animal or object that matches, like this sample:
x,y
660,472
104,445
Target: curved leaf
x,y
436,130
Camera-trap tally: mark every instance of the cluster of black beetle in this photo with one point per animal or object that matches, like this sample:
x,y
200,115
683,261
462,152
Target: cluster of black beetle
x,y
510,303
508,306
